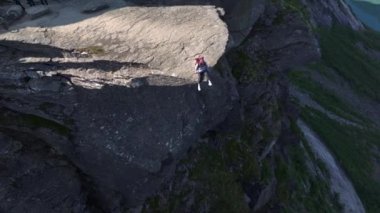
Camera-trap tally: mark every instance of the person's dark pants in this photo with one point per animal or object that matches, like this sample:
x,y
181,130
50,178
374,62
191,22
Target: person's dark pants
x,y
44,2
201,76
31,3
19,3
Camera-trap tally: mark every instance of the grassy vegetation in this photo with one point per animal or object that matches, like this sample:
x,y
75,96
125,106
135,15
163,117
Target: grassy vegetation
x,y
340,51
216,177
352,147
93,50
297,6
291,6
300,191
299,188
8,117
324,97
222,188
243,69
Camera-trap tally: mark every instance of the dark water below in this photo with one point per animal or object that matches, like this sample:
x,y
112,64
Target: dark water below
x,y
368,11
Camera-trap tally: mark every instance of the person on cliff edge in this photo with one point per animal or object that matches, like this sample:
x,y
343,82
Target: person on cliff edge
x,y
201,69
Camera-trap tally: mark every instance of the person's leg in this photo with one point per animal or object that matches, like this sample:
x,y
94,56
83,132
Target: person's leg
x,y
208,78
200,79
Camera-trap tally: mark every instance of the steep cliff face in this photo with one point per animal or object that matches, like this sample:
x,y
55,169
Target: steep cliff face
x,y
236,169
326,13
109,102
124,112
338,100
256,160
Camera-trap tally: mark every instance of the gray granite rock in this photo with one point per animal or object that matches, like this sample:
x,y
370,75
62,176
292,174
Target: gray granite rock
x,y
34,179
37,11
14,12
124,118
95,6
324,13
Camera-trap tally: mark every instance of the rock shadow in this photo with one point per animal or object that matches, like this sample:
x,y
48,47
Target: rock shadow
x,y
16,51
73,11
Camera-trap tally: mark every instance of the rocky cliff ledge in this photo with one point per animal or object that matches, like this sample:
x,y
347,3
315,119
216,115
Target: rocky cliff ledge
x,y
113,93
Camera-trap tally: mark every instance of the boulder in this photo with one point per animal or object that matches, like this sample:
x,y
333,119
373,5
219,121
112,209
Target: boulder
x,y
14,12
290,41
45,84
37,11
144,35
95,6
241,16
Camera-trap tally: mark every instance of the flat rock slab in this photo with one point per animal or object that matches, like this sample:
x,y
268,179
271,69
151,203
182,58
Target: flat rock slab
x,y
163,38
95,6
37,11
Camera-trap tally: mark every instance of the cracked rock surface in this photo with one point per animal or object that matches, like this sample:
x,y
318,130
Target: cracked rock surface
x,y
112,94
165,38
